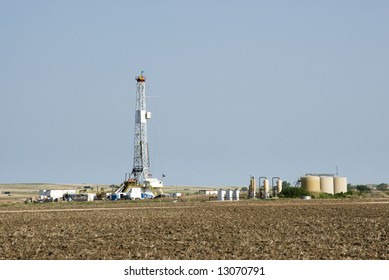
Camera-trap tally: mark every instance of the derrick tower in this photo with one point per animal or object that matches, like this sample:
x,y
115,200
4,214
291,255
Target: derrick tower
x,y
141,166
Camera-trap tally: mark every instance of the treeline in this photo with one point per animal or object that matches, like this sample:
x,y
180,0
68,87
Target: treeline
x,y
289,191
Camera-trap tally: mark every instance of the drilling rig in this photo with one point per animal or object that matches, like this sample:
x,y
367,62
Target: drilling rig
x,y
140,182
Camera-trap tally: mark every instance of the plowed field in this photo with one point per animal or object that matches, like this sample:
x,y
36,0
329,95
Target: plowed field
x,y
290,229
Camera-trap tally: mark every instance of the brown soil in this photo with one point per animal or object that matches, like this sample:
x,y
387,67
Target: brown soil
x,y
288,229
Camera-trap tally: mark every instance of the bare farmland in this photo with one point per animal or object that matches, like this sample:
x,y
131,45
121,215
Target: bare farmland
x,y
287,229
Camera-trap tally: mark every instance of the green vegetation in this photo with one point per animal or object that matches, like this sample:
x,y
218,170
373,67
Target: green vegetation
x,y
292,192
285,185
382,187
337,195
362,188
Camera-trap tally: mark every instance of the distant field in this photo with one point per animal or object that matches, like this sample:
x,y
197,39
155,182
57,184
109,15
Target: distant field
x,y
21,192
277,229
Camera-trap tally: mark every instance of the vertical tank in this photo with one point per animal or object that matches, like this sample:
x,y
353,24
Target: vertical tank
x,y
236,194
252,188
229,195
327,184
266,188
311,183
220,195
279,186
340,184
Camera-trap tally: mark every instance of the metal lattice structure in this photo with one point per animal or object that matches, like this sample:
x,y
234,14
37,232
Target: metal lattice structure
x,y
140,171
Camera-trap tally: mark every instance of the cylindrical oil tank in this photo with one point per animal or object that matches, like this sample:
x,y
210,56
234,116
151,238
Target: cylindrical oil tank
x,y
236,194
327,184
279,186
229,195
252,187
266,188
340,184
311,183
220,195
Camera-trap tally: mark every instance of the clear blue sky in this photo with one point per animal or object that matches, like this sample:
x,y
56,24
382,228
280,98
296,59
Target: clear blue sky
x,y
237,88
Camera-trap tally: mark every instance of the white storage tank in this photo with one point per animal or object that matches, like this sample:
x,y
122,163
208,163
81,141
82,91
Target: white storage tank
x,y
327,184
220,195
279,186
229,195
340,184
266,188
311,183
236,194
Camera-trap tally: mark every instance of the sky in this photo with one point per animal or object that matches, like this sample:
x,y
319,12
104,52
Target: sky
x,y
236,89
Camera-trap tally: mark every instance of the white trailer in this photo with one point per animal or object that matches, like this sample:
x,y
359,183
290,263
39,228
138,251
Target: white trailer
x,y
135,193
54,194
153,182
177,194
